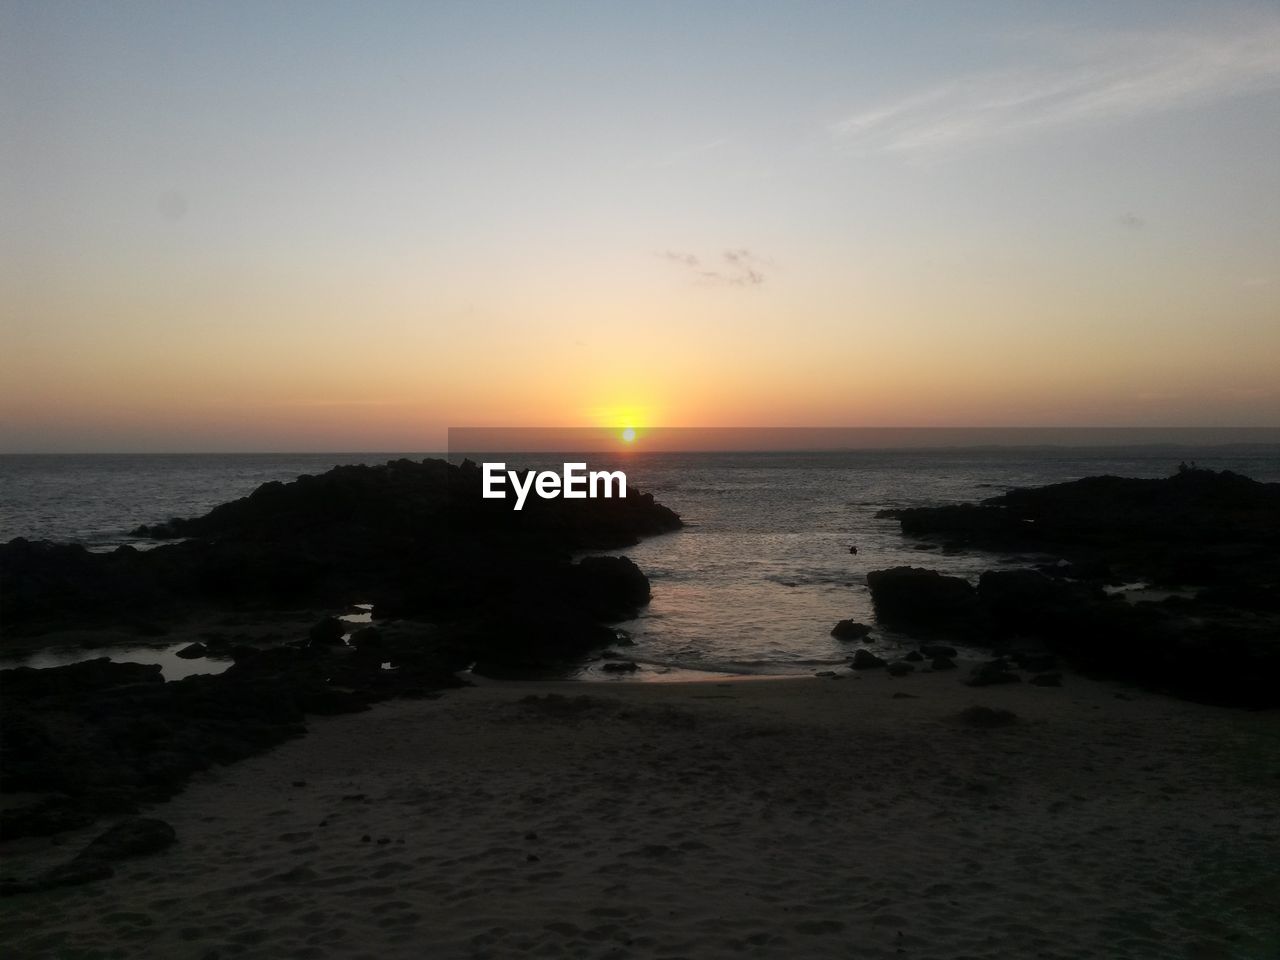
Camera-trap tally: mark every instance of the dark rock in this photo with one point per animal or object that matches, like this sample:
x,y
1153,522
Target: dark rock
x,y
620,666
611,588
990,673
1216,532
327,632
914,657
366,637
912,597
866,660
938,650
76,679
850,630
192,651
900,668
1026,602
1047,679
412,537
943,663
132,837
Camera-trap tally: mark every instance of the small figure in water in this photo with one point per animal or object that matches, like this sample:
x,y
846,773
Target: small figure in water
x,y
853,549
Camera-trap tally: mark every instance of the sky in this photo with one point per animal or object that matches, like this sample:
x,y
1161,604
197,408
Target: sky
x,y
351,226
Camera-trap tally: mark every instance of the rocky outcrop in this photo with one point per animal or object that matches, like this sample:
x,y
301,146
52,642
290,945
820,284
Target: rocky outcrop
x,y
915,598
1197,527
1214,535
415,537
469,581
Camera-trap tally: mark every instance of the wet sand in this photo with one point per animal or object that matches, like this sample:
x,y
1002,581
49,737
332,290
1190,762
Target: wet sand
x,y
764,818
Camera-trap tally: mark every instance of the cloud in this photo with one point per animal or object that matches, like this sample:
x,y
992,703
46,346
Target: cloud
x,y
736,267
1075,80
688,259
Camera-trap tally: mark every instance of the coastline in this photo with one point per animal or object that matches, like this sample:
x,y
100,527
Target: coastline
x,y
776,817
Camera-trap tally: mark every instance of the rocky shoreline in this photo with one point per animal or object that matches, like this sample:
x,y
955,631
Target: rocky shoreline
x,y
456,582
470,583
1208,542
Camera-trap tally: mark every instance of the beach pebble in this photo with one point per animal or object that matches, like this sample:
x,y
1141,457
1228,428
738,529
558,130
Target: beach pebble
x,y
900,668
936,650
1047,679
192,651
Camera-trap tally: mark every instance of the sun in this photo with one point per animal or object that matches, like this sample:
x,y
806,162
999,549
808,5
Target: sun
x,y
629,435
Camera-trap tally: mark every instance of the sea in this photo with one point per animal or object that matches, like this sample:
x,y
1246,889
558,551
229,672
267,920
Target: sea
x,y
752,585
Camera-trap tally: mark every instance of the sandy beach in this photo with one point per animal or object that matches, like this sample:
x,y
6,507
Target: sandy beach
x,y
859,817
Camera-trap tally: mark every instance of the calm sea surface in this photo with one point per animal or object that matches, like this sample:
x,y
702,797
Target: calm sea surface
x,y
752,584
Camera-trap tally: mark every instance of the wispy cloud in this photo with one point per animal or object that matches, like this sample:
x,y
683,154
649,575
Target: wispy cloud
x,y
737,267
1077,80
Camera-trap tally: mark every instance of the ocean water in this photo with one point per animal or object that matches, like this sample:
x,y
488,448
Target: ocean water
x,y
754,582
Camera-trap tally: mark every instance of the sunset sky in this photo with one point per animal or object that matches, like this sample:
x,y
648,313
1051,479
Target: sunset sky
x,y
314,226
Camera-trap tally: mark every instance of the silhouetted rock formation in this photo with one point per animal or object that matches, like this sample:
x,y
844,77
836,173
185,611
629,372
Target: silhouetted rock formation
x,y
415,538
914,597
1197,527
498,588
1212,536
